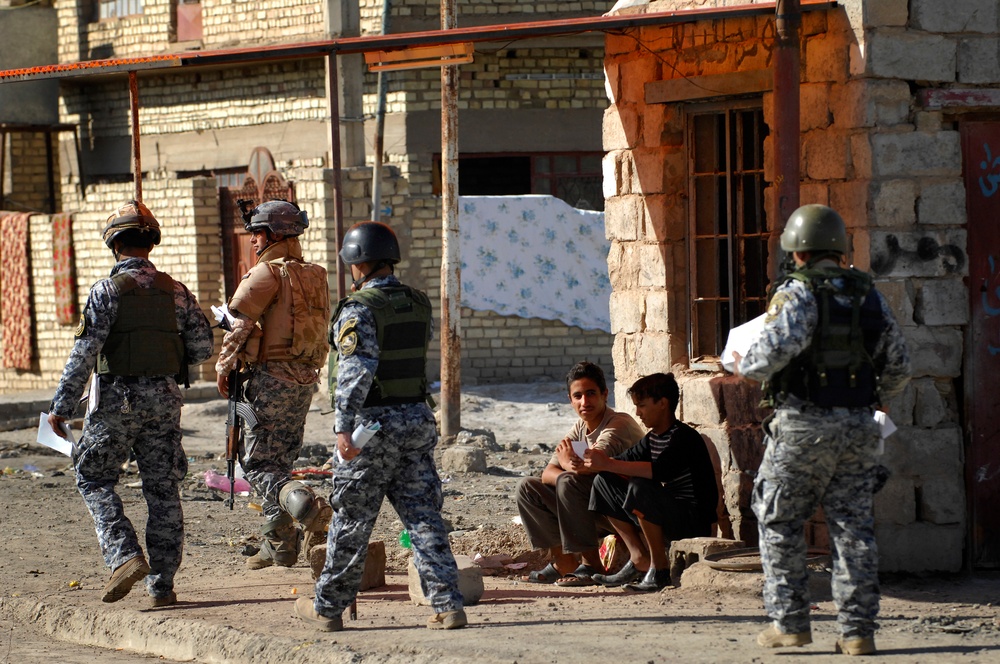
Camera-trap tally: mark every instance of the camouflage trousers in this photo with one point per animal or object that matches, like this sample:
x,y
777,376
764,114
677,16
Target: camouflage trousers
x,y
819,457
397,464
271,450
151,431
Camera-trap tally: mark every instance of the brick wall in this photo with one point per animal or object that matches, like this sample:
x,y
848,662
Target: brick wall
x,y
868,150
26,173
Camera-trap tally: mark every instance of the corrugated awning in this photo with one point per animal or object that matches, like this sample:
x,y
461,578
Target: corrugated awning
x,y
347,45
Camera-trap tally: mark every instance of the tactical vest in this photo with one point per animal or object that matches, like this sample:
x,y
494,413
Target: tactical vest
x,y
293,327
837,368
144,340
403,321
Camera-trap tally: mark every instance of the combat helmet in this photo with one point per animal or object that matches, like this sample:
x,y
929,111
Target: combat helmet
x,y
815,228
131,216
280,217
370,242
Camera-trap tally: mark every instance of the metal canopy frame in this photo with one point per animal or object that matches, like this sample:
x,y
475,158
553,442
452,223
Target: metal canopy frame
x,y
787,14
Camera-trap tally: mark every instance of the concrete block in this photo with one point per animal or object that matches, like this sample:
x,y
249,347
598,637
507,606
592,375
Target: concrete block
x,y
622,217
620,128
884,13
935,351
658,316
915,154
463,459
895,203
942,500
686,552
960,16
930,408
921,453
942,302
896,503
470,582
938,253
826,155
898,295
627,312
920,547
652,265
851,200
942,202
979,60
826,59
911,56
701,402
848,105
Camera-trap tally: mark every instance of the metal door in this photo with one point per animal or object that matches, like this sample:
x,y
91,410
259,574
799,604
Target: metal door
x,y
981,166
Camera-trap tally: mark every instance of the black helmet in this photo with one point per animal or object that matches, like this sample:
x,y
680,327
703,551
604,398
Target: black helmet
x,y
135,216
280,217
370,242
814,228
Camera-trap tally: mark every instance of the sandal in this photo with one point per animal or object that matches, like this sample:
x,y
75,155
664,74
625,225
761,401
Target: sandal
x,y
549,574
581,576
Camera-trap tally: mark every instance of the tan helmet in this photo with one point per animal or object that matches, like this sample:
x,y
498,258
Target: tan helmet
x,y
132,215
814,228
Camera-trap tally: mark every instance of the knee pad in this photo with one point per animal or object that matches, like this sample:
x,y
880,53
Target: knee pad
x,y
303,505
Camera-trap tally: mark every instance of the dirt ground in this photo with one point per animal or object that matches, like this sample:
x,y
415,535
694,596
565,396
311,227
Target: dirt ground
x,y
51,575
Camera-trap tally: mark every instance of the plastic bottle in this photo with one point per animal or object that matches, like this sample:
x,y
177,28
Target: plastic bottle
x,y
404,539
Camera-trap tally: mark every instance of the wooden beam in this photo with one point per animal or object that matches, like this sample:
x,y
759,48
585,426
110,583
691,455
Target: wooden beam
x,y
704,87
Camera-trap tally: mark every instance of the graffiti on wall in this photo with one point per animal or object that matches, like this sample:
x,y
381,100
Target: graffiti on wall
x,y
991,165
928,249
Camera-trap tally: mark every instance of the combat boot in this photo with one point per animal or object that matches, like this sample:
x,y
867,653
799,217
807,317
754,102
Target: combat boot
x,y
281,544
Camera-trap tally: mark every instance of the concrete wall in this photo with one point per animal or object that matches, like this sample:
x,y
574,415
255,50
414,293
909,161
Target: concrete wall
x,y
27,39
868,150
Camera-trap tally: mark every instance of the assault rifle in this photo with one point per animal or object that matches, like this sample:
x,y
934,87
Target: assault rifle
x,y
239,412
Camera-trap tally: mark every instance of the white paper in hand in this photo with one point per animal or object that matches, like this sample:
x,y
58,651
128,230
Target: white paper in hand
x,y
740,339
223,316
48,437
579,447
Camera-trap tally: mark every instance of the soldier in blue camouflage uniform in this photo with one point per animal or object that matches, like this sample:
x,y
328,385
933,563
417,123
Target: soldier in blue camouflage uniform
x,y
831,351
281,310
139,332
381,333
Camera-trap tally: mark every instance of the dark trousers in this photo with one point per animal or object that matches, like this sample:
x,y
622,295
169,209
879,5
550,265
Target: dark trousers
x,y
558,515
620,497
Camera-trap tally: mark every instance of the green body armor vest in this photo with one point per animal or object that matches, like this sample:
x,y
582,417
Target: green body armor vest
x,y
837,368
402,320
144,339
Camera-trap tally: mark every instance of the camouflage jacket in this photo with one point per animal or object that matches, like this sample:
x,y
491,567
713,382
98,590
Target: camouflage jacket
x,y
99,315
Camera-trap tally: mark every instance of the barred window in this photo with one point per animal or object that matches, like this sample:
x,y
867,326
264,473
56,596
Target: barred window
x,y
107,9
728,229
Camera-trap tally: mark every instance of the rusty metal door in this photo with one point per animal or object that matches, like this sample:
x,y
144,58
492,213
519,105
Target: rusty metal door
x,y
981,166
262,183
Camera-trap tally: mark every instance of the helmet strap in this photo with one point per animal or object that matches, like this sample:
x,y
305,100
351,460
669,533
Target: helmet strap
x,y
360,281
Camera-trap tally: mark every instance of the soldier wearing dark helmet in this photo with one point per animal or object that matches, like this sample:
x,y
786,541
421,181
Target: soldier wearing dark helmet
x,y
830,353
281,309
139,331
378,373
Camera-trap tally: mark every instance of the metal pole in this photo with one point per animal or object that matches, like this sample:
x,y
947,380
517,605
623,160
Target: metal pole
x,y
380,126
788,18
451,340
133,101
333,101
